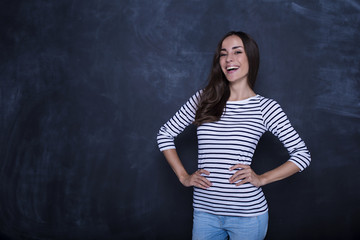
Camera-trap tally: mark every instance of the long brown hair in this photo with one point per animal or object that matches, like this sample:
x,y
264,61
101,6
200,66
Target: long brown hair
x,y
213,98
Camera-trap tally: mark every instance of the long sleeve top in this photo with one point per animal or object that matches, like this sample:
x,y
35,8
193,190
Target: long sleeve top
x,y
233,140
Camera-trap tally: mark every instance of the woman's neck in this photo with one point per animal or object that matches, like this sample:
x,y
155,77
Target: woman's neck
x,y
240,91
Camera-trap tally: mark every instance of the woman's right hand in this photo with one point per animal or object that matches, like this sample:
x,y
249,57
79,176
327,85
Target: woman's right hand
x,y
196,179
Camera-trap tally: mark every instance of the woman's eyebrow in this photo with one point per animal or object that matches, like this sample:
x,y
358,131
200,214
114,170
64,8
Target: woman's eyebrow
x,y
235,47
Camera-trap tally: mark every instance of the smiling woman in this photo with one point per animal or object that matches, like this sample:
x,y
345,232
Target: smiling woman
x,y
236,50
233,60
230,119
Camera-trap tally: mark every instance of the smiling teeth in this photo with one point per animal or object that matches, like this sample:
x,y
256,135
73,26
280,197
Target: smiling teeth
x,y
231,68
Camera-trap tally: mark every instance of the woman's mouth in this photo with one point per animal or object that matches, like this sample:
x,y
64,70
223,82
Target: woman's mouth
x,y
232,69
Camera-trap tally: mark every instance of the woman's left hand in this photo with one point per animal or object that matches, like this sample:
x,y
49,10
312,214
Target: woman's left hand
x,y
246,175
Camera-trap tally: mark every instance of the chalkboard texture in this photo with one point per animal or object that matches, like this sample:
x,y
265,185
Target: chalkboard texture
x,y
86,85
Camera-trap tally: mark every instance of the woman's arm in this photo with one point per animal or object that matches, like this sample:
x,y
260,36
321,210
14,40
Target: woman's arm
x,y
276,121
195,179
247,175
165,138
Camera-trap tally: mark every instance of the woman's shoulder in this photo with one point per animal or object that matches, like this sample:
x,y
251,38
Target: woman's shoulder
x,y
267,102
197,94
195,97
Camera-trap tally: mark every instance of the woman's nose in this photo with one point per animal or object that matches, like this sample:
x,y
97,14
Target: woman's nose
x,y
229,58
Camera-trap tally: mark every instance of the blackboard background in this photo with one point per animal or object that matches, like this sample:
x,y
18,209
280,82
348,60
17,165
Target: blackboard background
x,y
85,86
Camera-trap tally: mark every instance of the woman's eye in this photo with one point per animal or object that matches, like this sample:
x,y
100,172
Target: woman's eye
x,y
222,54
238,52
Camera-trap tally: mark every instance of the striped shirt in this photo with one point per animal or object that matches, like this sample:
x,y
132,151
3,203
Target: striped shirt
x,y
230,141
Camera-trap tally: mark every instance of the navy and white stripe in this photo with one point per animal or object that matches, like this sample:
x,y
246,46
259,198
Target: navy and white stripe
x,y
230,141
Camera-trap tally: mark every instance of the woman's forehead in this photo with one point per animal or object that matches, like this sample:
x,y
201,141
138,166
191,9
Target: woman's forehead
x,y
231,42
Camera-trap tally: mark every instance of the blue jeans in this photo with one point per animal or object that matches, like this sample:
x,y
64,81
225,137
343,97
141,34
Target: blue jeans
x,y
208,226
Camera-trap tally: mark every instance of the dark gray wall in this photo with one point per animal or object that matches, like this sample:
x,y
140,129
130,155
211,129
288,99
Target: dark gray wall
x,y
85,86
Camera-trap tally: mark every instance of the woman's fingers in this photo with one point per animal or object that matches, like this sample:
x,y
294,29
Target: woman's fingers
x,y
239,176
244,172
244,175
200,171
243,166
243,180
200,181
202,184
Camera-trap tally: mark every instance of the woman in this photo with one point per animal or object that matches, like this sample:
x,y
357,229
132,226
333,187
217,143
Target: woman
x,y
230,119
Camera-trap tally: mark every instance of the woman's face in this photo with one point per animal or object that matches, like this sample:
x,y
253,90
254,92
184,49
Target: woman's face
x,y
233,60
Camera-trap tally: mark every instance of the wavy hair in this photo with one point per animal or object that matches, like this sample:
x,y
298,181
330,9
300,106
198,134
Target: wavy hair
x,y
215,95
